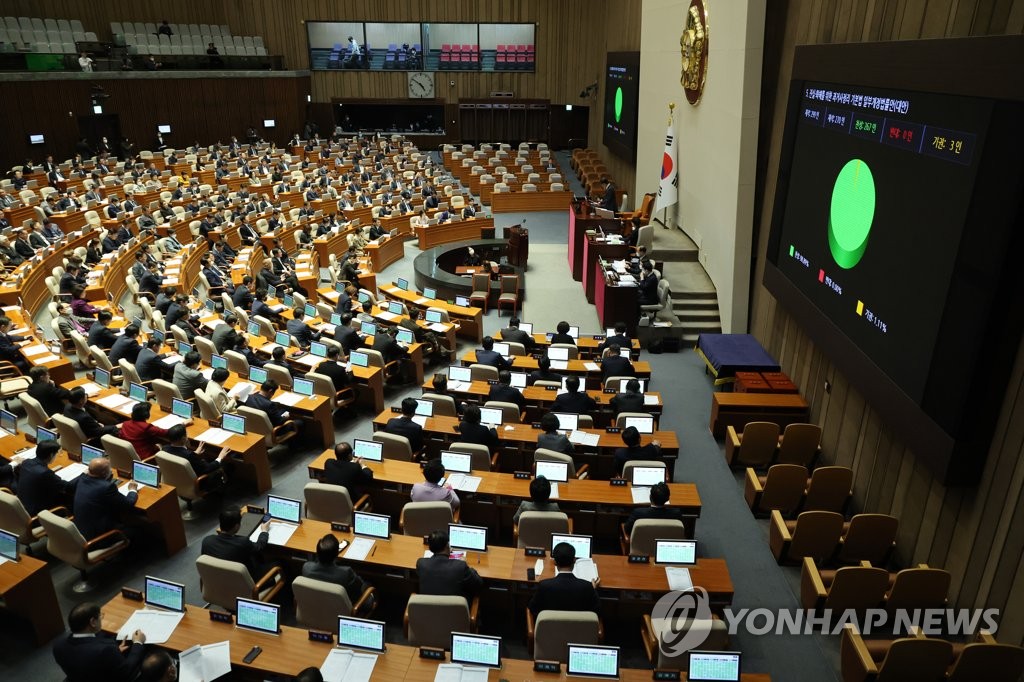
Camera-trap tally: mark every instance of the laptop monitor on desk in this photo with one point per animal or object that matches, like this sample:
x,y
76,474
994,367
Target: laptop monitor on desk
x,y
218,361
642,424
8,545
360,633
476,650
559,354
368,449
433,316
257,375
102,377
675,552
648,476
591,660
469,538
714,666
460,374
302,386
234,423
553,471
164,594
429,293
181,408
457,462
581,543
89,453
567,421
257,615
403,284
371,525
491,416
359,359
526,327
284,509
368,328
146,474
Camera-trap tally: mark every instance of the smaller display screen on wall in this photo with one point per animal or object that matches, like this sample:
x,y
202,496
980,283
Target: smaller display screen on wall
x,y
621,99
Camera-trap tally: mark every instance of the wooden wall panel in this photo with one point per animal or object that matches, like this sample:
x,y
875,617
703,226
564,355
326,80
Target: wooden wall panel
x,y
96,16
976,533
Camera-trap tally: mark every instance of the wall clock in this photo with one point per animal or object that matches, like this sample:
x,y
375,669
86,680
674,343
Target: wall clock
x,y
693,46
421,85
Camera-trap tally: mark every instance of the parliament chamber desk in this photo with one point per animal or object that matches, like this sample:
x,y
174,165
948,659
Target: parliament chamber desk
x,y
385,252
250,447
516,202
578,226
597,507
520,440
157,506
737,409
27,591
468,318
595,249
60,367
587,345
592,374
540,398
616,302
456,231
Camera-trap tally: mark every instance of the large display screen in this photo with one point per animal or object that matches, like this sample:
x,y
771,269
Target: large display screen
x,y
621,98
880,184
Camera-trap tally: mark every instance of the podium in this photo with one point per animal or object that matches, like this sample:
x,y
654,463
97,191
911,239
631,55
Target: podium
x,y
518,239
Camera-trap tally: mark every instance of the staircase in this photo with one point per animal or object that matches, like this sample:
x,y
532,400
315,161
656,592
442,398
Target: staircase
x,y
694,299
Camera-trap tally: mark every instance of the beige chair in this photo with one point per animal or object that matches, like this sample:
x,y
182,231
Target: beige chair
x,y
101,360
574,352
853,588
813,534
328,502
258,422
121,454
781,489
237,363
508,295
267,330
71,435
429,620
223,582
480,456
67,345
422,518
444,405
323,385
868,537
130,374
395,447
535,528
478,372
207,408
318,603
481,290
641,540
178,472
36,414
754,446
800,444
441,312
15,519
654,631
549,635
621,417
375,359
279,374
909,659
545,455
82,351
515,348
206,349
165,393
829,489
510,413
65,542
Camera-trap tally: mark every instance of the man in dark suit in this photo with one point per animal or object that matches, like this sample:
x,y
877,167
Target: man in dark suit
x,y
262,400
39,487
564,592
176,310
325,567
242,297
8,346
647,287
298,328
331,367
46,392
630,401
100,334
149,363
609,202
619,337
487,355
513,333
224,335
341,470
75,409
21,245
614,365
178,445
633,450
573,400
405,426
86,654
504,391
658,510
126,346
443,576
472,431
226,545
347,336
151,281
99,505
543,372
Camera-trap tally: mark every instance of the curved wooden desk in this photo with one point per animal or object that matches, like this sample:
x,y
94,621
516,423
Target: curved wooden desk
x,y
457,231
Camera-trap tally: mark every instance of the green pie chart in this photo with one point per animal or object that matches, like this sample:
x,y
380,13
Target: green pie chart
x,y
851,213
618,104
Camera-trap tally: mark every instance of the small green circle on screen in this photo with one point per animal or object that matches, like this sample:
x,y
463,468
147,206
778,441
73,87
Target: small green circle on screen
x,y
618,104
851,213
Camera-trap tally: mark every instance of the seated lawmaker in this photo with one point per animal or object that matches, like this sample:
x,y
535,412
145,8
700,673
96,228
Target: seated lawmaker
x,y
75,410
620,337
100,333
325,567
632,400
561,334
349,474
262,400
540,499
441,575
39,487
635,451
543,372
564,592
430,489
87,654
516,335
488,356
99,505
404,426
504,391
573,400
472,431
47,393
551,439
659,509
333,368
226,544
614,365
201,465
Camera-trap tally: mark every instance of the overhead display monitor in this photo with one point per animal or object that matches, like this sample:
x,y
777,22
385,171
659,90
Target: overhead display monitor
x,y
621,99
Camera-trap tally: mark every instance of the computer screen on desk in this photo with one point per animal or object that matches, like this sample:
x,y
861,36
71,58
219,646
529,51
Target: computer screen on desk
x,y
433,316
137,392
405,336
368,328
561,354
429,293
501,349
593,661
302,386
642,424
368,449
518,380
43,435
553,471
181,408
458,462
146,474
102,377
581,543
470,538
282,339
318,349
254,328
234,423
476,650
574,332
218,361
526,327
675,552
257,615
491,416
359,359
567,421
396,308
257,375
462,301
9,422
165,594
373,525
89,453
284,508
457,373
714,666
424,408
645,476
8,545
403,284
360,633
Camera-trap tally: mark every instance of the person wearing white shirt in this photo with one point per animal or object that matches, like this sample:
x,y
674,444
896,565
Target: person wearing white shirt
x,y
85,61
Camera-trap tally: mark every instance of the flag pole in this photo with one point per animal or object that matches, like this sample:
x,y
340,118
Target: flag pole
x,y
671,115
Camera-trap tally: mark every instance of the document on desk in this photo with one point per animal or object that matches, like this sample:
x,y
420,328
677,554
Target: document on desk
x,y
72,471
91,389
241,391
113,401
592,366
421,420
585,569
387,316
34,350
584,438
288,398
559,364
437,327
650,399
280,532
214,436
359,549
203,663
465,482
158,626
453,672
123,488
421,301
459,385
168,421
641,494
345,665
678,578
554,490
172,359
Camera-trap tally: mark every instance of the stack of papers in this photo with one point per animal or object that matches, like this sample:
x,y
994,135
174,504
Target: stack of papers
x,y
289,398
214,436
344,665
678,578
641,494
168,421
421,420
41,359
453,672
123,488
241,391
114,401
72,471
387,316
359,549
438,327
554,490
158,626
421,301
650,399
585,569
280,532
465,482
172,359
592,366
203,663
34,350
584,438
91,389
559,364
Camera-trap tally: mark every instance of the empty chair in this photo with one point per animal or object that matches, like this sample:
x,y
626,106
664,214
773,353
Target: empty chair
x,y
480,372
223,582
15,519
782,489
868,537
102,360
829,489
574,352
318,603
549,635
800,444
857,588
641,539
535,528
754,446
279,374
481,290
988,660
323,385
70,433
65,542
509,292
36,414
328,502
121,454
165,393
920,587
395,447
813,534
429,620
910,659
422,518
207,408
178,472
444,405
